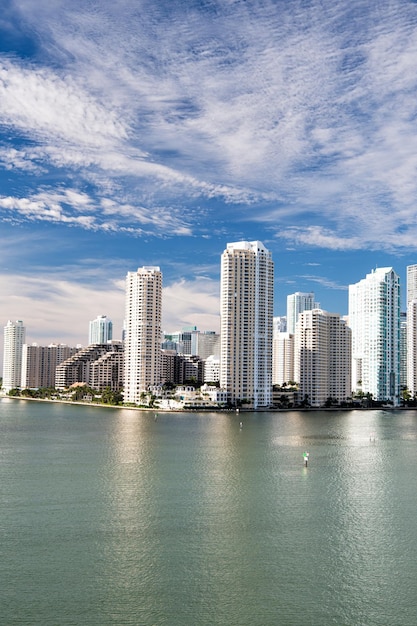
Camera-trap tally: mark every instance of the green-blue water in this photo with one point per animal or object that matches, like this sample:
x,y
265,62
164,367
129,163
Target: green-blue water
x,y
110,517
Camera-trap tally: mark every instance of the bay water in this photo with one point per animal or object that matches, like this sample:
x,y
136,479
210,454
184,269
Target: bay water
x,y
120,517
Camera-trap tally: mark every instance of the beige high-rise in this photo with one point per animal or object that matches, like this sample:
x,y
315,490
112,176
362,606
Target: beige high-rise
x,y
323,354
246,309
142,332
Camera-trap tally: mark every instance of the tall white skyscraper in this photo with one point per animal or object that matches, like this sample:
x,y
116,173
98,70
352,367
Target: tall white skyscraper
x,y
100,330
297,303
411,381
246,309
411,283
323,357
14,338
412,347
374,317
142,332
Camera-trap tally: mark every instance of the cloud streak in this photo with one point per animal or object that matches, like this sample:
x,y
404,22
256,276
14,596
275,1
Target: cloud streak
x,y
306,113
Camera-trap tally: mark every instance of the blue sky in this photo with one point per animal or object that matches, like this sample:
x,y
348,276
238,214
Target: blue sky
x,y
154,132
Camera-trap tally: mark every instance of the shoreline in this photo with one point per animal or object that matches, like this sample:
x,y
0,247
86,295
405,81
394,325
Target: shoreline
x,y
213,409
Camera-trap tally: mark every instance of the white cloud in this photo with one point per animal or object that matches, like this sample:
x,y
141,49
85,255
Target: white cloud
x,y
43,103
59,205
258,103
191,302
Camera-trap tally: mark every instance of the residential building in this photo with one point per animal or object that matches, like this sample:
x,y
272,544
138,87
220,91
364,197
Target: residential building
x,y
282,358
323,356
411,380
411,283
403,349
212,369
98,366
297,303
374,317
180,369
246,307
14,338
207,344
39,363
100,330
143,331
412,347
107,371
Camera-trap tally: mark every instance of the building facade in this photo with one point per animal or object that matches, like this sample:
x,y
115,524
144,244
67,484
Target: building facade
x,y
39,364
99,366
323,357
412,347
282,358
246,312
100,330
411,351
14,338
374,317
142,332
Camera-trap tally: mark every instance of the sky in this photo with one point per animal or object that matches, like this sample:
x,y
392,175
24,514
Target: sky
x,y
155,132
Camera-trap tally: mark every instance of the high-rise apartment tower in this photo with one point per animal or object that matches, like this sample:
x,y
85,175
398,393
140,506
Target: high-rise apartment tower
x,y
14,338
374,317
246,310
411,352
142,332
323,357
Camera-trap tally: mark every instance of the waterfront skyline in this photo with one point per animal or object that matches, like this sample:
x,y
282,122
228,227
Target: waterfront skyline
x,y
153,135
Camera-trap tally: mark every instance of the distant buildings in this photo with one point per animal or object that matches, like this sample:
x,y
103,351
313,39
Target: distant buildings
x,y
373,353
374,317
14,338
191,341
100,330
246,308
297,303
143,332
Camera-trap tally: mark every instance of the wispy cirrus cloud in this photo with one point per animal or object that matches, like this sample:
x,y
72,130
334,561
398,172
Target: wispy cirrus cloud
x,y
78,208
306,113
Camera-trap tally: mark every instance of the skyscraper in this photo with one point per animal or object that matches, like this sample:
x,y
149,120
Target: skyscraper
x,y
374,317
143,332
411,352
14,338
100,330
323,353
412,347
297,303
411,283
246,310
